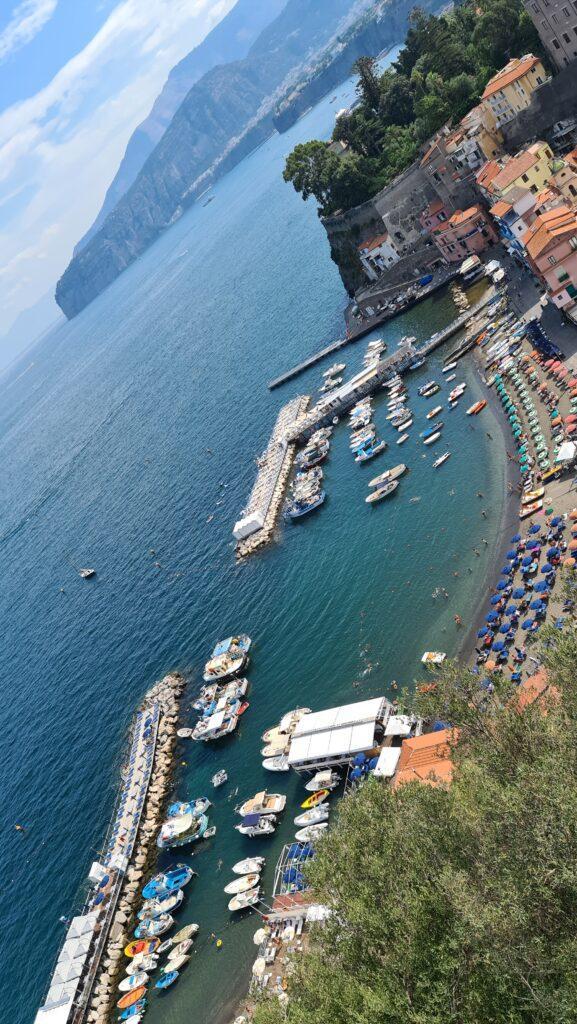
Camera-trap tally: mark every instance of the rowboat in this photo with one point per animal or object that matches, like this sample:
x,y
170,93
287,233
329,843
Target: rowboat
x,y
133,981
389,474
244,899
244,867
305,835
141,946
142,963
176,964
433,657
316,798
188,932
381,492
475,409
161,905
449,367
528,510
532,496
167,980
242,883
151,927
131,997
134,1013
442,458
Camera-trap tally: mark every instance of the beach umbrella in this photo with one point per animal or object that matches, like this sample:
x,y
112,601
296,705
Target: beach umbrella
x,y
535,528
573,514
506,570
260,935
541,587
527,560
512,554
516,432
495,599
571,428
511,609
527,623
482,632
498,646
572,383
259,967
490,665
553,552
505,627
556,421
557,520
502,584
569,563
572,545
491,617
547,568
533,544
536,605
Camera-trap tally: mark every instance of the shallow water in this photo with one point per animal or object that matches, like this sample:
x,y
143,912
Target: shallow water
x,y
113,444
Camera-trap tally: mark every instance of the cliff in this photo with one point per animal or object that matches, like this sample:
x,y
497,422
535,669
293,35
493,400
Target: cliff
x,y
230,40
224,105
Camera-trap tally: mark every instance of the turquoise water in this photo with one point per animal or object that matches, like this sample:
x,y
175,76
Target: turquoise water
x,y
104,449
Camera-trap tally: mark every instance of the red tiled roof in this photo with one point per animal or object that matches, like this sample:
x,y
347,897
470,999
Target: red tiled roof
x,y
374,243
510,73
426,758
533,689
550,227
460,216
488,171
500,208
514,168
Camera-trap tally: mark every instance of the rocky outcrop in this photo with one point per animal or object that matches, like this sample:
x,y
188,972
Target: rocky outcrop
x,y
225,105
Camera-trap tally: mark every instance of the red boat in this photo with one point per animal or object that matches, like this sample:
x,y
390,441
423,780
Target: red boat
x,y
242,708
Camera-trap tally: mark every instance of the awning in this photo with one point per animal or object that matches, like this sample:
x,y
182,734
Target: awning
x,y
387,763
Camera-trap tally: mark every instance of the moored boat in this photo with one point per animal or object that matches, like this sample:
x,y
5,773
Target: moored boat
x,y
145,946
133,981
180,949
167,980
369,453
276,764
432,430
160,905
150,928
168,881
403,438
434,412
244,900
219,778
183,830
449,366
242,883
228,658
476,408
263,803
131,997
176,964
389,474
378,493
442,458
188,932
325,779
314,816
250,864
256,825
316,798
434,437
311,832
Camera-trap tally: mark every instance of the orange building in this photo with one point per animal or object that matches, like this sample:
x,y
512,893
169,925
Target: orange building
x,y
427,759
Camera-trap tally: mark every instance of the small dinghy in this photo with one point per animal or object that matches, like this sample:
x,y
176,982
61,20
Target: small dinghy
x,y
164,946
176,964
167,980
246,867
323,780
194,807
133,981
276,764
144,946
156,908
242,883
184,734
180,950
244,899
219,778
188,932
151,927
305,835
168,881
316,798
134,1013
314,816
131,998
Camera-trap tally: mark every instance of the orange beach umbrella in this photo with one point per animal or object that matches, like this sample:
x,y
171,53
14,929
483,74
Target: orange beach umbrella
x,y
569,563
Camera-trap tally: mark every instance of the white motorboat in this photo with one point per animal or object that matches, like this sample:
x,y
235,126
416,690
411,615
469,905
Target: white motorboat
x,y
378,493
219,778
180,949
133,981
389,474
160,905
256,825
326,779
142,963
276,764
449,367
245,867
314,816
434,412
244,899
405,425
434,437
242,883
442,458
311,832
403,438
263,803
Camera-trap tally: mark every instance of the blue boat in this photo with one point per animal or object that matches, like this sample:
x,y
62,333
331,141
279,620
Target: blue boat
x,y
194,807
370,451
138,1007
167,980
168,881
183,830
432,430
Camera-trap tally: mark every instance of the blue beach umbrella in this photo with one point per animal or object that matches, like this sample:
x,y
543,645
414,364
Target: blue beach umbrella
x,y
532,544
535,528
547,568
541,587
511,609
502,584
491,617
536,605
518,593
527,623
506,570
553,552
556,520
511,554
482,632
516,538
504,627
498,646
496,598
527,560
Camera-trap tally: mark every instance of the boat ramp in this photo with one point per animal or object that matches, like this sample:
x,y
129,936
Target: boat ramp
x,y
83,985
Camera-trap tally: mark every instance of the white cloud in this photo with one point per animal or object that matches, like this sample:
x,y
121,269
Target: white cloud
x,y
63,145
26,21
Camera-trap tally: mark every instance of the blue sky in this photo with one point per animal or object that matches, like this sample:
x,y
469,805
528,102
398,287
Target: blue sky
x,y
76,77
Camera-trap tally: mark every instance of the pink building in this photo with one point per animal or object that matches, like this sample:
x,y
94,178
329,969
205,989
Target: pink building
x,y
551,246
436,213
466,233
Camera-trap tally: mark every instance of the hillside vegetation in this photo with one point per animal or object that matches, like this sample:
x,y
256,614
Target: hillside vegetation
x,y
439,75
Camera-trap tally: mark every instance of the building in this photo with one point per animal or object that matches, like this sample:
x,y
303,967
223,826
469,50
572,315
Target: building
x,y
426,759
332,738
551,246
564,179
556,23
378,254
433,215
510,90
530,169
513,217
466,233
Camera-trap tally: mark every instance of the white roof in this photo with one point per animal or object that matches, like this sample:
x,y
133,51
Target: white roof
x,y
60,992
399,725
343,742
566,452
57,1014
74,948
335,718
67,971
82,925
387,763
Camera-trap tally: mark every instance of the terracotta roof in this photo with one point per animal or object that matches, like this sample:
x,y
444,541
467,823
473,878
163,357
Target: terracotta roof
x,y
374,243
426,759
515,69
460,216
500,208
488,171
533,689
514,168
550,227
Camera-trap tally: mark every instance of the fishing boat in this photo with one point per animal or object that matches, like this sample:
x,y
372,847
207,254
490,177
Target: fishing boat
x,y
433,657
431,430
297,509
334,369
188,932
168,881
228,658
426,386
167,979
381,492
389,474
241,884
449,366
131,998
369,453
256,825
219,778
214,693
442,458
134,1012
475,409
405,425
316,798
250,864
417,363
217,725
431,391
434,412
434,437
314,816
149,928
311,832
403,438
457,391
244,900
133,981
160,905
180,949
325,779
194,807
181,831
145,946
263,803
164,946
276,764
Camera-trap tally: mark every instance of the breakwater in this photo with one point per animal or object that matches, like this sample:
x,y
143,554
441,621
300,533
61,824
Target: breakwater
x,y
83,984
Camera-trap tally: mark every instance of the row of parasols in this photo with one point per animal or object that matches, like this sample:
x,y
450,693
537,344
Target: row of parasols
x,y
511,409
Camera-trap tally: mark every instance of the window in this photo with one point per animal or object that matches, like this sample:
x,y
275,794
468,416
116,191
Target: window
x,y
552,260
556,44
554,18
566,37
573,190
573,242
566,12
524,178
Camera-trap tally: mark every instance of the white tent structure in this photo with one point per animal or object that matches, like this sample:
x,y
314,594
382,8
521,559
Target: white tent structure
x,y
325,739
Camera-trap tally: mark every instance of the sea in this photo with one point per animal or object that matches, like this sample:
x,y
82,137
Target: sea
x,y
128,440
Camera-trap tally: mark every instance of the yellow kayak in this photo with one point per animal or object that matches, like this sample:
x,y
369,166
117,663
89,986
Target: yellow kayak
x,y
316,798
141,946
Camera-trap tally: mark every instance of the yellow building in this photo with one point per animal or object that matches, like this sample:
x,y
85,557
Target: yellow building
x,y
510,90
530,170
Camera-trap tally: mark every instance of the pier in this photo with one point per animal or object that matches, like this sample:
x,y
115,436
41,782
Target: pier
x,y
257,524
83,986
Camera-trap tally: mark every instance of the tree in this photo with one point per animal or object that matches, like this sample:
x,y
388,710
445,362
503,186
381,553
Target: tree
x,y
311,167
455,905
368,87
396,104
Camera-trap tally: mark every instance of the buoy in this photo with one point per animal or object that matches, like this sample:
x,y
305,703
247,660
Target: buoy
x,y
218,943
